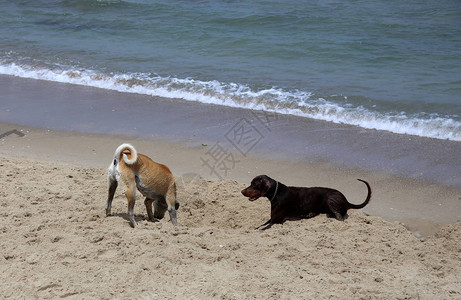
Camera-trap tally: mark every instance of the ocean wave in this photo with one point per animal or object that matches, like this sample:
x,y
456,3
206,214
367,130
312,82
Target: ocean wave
x,y
299,103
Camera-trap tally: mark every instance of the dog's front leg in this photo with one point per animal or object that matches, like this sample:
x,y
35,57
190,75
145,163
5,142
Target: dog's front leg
x,y
268,221
268,226
150,214
277,217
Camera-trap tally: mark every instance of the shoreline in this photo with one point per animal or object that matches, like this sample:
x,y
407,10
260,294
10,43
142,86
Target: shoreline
x,y
67,107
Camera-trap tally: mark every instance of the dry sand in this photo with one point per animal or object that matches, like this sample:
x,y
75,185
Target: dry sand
x,y
58,243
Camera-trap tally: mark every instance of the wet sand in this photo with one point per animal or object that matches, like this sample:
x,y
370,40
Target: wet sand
x,y
68,107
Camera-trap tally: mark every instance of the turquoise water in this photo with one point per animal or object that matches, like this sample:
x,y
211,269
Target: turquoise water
x,y
376,64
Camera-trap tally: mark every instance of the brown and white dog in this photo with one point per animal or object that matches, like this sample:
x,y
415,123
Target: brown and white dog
x,y
154,181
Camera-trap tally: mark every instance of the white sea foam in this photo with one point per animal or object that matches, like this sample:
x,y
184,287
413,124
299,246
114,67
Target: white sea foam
x,y
237,95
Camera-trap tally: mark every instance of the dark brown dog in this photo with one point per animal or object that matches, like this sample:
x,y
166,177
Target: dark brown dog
x,y
294,203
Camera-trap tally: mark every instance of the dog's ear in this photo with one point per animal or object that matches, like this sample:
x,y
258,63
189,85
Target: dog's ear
x,y
267,184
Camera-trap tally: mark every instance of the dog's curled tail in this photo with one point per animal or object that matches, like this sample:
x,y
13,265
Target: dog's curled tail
x,y
355,206
128,152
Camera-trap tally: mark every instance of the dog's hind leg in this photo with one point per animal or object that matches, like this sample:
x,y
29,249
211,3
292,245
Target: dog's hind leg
x,y
131,196
112,187
338,216
336,207
335,211
171,203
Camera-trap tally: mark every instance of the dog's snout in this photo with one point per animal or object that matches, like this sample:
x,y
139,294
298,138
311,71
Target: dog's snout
x,y
246,192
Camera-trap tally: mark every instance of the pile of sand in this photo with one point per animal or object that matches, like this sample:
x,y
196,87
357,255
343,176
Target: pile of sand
x,y
58,243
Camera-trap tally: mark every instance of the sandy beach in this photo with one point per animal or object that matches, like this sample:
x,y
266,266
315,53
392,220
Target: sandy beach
x,y
58,243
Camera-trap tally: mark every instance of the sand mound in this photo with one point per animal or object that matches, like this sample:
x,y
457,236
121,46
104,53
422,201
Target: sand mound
x,y
57,243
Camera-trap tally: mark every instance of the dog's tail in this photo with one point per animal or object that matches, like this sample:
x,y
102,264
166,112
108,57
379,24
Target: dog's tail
x,y
128,152
358,206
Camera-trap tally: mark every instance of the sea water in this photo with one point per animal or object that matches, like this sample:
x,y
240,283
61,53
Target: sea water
x,y
387,65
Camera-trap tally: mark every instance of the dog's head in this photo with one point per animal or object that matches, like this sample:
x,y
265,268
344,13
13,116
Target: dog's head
x,y
258,187
160,208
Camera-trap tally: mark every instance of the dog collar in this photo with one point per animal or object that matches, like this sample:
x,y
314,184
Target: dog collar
x,y
275,192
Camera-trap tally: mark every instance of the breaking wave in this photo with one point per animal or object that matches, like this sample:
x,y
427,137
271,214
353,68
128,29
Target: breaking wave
x,y
296,102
